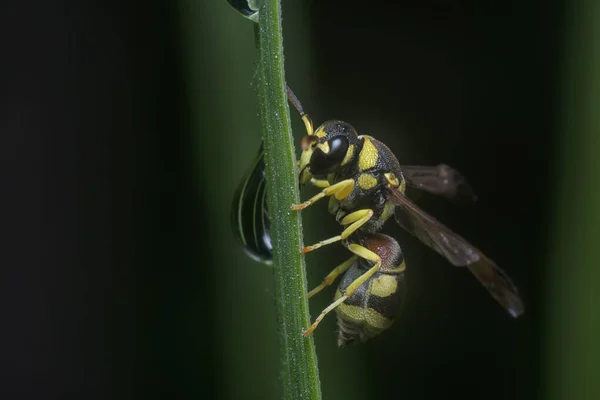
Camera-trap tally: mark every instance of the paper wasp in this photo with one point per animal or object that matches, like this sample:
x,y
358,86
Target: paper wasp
x,y
366,185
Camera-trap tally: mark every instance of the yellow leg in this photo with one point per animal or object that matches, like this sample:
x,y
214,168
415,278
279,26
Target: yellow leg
x,y
320,183
323,314
355,219
363,252
361,279
332,276
340,190
347,293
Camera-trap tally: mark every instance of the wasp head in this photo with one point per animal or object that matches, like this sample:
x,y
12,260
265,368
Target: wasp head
x,y
330,147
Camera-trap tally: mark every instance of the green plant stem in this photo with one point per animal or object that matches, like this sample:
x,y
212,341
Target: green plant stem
x,y
573,320
299,371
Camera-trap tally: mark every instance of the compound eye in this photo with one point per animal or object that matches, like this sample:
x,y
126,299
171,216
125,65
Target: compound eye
x,y
338,147
322,163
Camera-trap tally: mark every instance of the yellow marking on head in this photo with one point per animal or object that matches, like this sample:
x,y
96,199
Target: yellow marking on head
x,y
399,268
384,285
367,181
324,147
349,155
363,316
320,132
368,155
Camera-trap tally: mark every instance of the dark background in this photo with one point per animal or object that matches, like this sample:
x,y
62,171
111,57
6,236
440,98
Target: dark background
x,y
127,125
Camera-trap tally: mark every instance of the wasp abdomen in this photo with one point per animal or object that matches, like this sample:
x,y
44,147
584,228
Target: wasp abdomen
x,y
373,307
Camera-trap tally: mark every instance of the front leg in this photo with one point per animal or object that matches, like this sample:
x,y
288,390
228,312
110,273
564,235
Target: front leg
x,y
320,183
340,190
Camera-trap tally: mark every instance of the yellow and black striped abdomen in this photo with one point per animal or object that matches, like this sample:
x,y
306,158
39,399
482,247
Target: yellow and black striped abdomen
x,y
373,307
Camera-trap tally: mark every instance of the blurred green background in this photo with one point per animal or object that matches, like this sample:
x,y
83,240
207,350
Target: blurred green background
x,y
133,124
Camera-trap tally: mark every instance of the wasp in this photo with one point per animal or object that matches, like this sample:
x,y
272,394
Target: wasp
x,y
366,186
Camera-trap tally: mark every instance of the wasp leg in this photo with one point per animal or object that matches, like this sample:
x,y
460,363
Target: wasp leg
x,y
332,276
323,314
340,190
355,219
361,252
320,183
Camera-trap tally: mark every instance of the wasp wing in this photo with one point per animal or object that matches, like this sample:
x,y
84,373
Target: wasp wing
x,y
440,180
458,251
